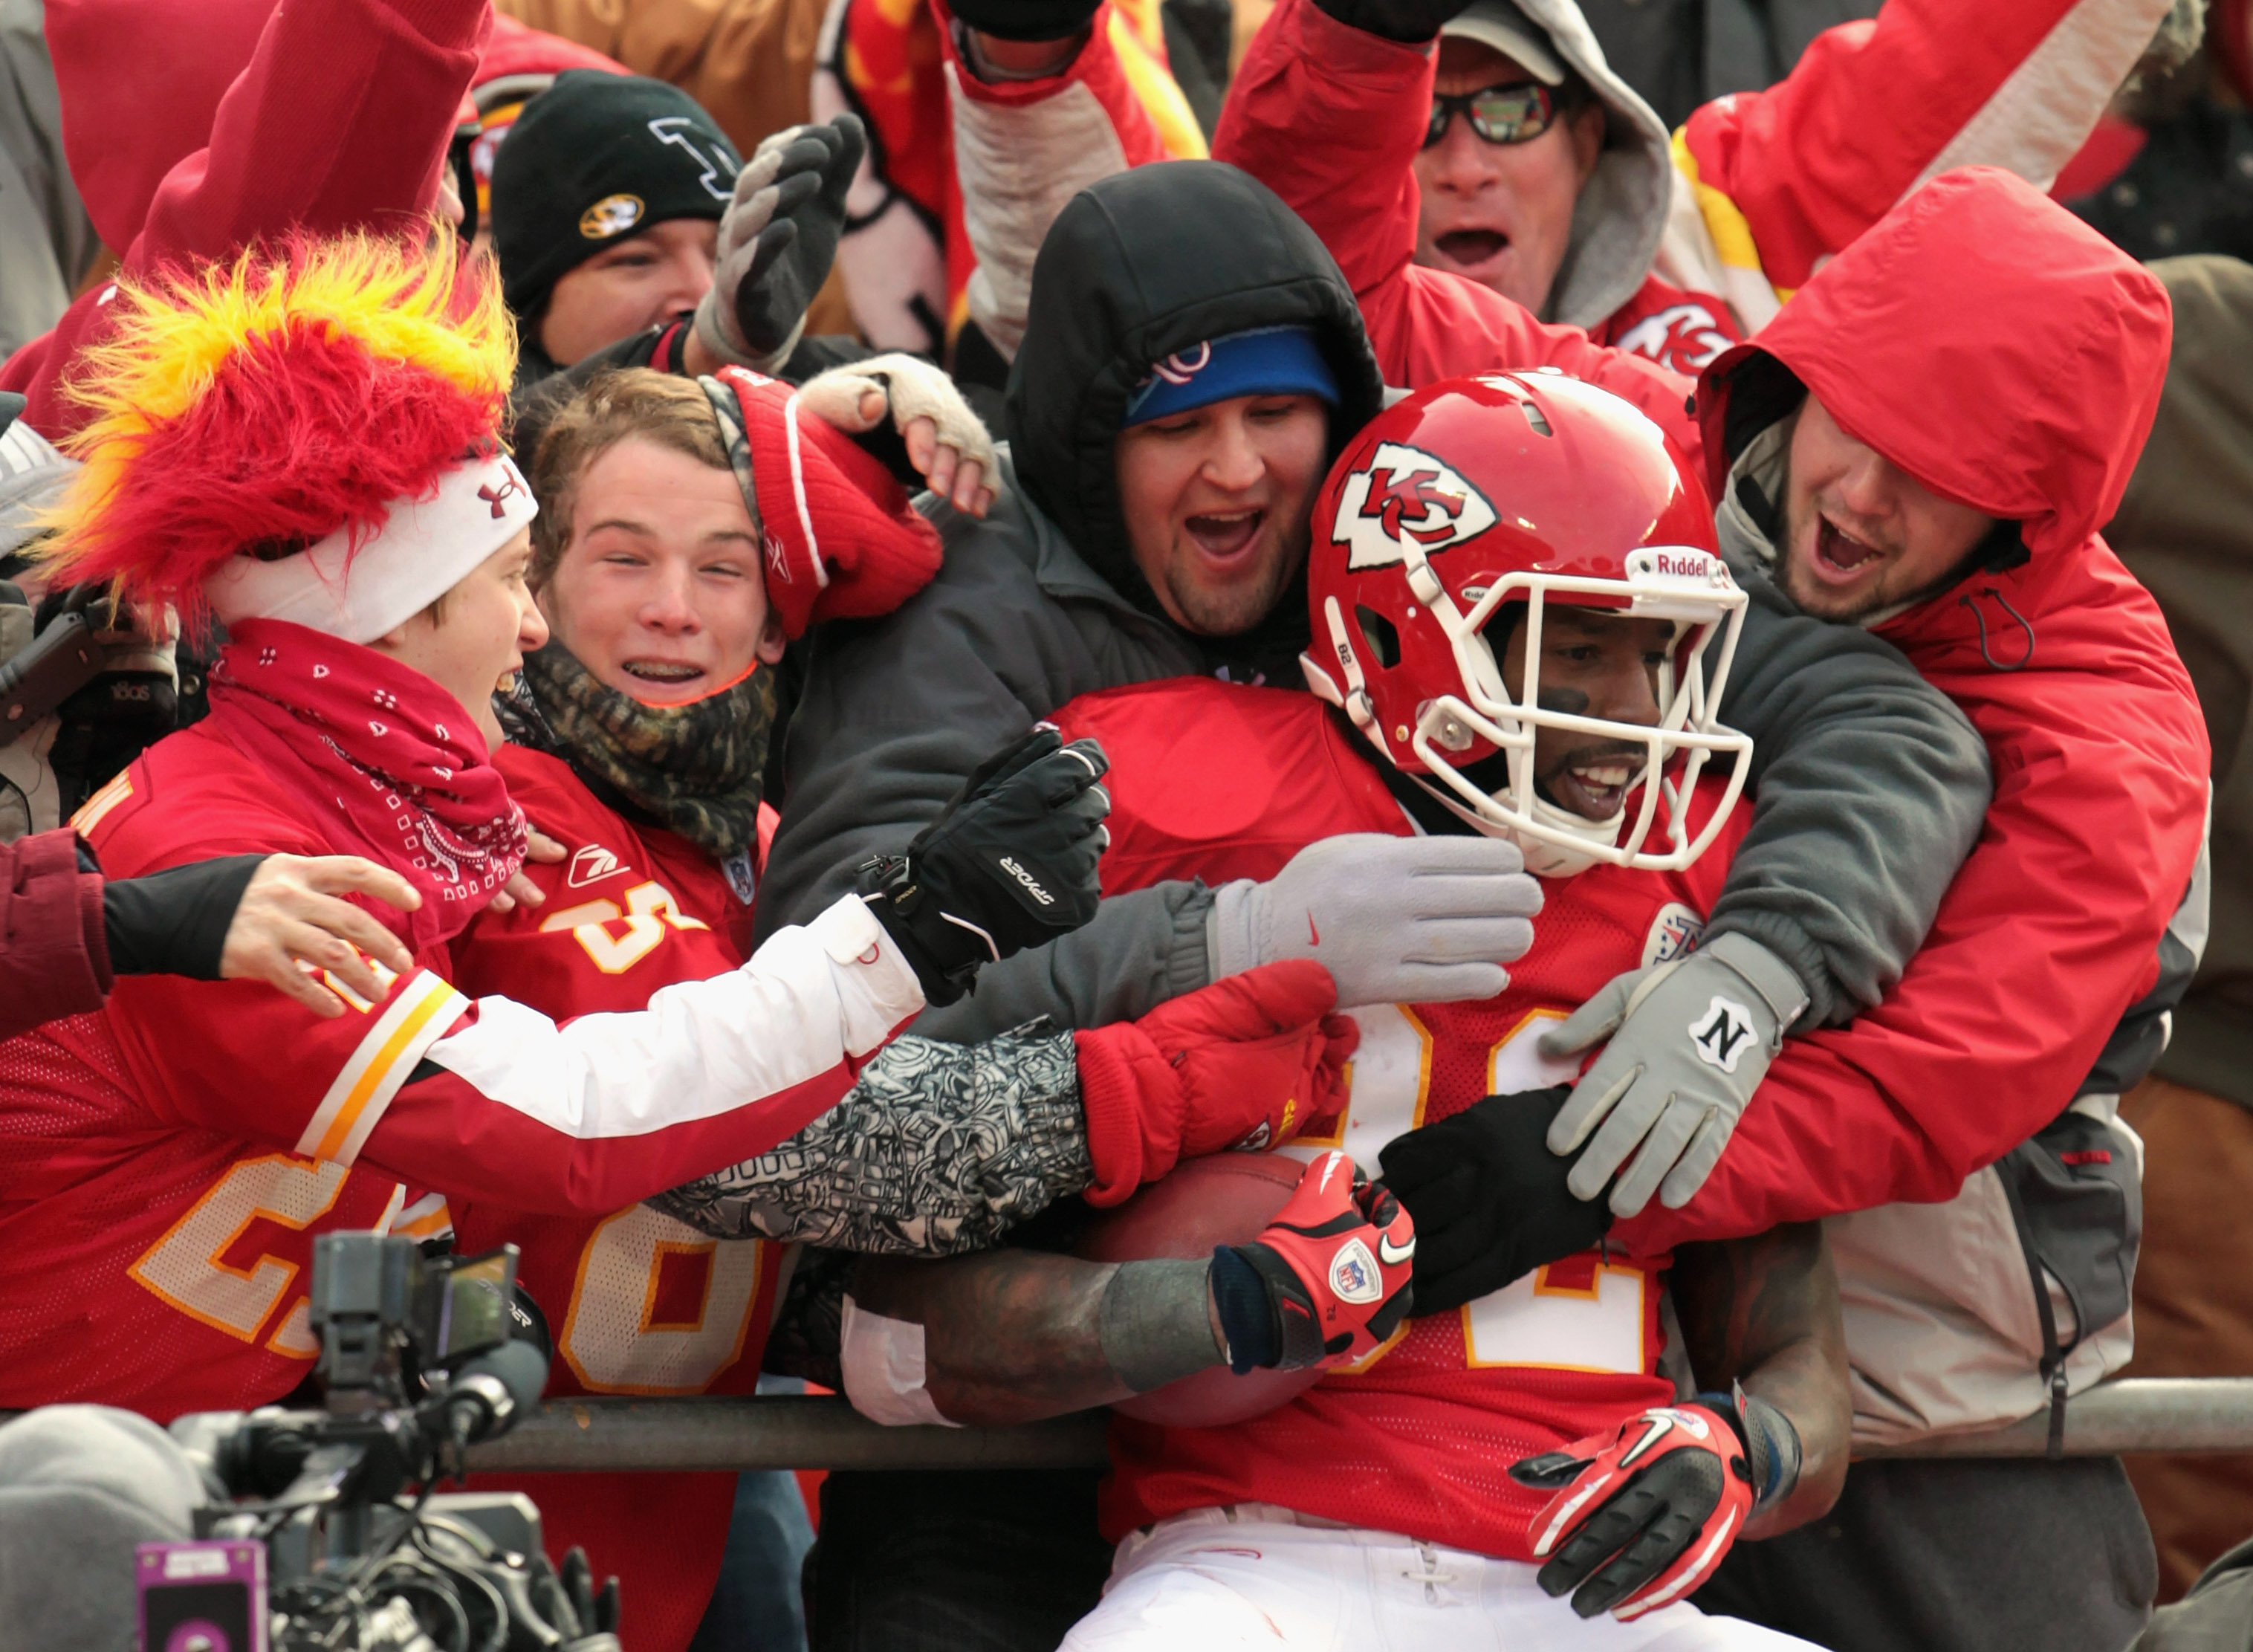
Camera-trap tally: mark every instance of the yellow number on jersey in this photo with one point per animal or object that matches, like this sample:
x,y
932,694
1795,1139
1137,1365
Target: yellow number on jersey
x,y
1539,1321
615,1339
649,909
186,1268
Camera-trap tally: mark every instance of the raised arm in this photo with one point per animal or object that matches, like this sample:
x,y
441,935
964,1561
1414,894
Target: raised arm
x,y
1330,117
1785,178
341,121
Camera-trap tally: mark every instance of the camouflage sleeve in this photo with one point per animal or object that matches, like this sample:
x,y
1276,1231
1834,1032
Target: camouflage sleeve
x,y
938,1149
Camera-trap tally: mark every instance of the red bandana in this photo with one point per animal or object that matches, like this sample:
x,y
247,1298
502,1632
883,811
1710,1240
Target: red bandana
x,y
387,761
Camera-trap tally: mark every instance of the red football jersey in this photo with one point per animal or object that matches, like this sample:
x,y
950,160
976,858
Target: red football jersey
x,y
1417,1438
638,1303
156,1211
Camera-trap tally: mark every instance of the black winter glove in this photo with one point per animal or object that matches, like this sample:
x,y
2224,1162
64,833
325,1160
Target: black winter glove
x,y
1011,863
1412,22
1026,19
777,239
175,922
1488,1198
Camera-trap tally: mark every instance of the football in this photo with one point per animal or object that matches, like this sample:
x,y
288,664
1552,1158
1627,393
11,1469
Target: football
x,y
1225,1199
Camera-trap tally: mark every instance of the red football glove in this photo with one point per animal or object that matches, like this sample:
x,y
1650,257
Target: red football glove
x,y
1248,1062
1325,1282
1643,1517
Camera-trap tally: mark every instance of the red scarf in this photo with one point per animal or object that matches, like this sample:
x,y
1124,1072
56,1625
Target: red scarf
x,y
388,762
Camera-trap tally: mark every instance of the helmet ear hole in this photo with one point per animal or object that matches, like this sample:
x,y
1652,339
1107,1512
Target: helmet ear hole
x,y
1381,635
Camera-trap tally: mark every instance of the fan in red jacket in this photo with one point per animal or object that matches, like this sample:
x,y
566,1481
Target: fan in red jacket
x,y
1334,109
172,1156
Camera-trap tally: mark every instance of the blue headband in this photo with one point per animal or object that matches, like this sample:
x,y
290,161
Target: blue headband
x,y
1265,361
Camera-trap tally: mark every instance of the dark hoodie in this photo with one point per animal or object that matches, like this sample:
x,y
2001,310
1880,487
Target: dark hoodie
x,y
1040,603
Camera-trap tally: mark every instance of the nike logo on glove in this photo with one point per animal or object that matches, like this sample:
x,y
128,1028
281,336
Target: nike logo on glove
x,y
1314,935
1393,1255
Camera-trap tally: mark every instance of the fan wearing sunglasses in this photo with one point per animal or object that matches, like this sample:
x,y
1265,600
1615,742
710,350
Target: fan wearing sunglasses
x,y
1513,139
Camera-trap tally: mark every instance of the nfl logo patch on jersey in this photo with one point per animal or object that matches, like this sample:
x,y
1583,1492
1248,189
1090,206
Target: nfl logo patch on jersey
x,y
1674,933
1354,1276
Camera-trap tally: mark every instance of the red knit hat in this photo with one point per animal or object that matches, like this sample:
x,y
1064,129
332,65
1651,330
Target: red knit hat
x,y
840,539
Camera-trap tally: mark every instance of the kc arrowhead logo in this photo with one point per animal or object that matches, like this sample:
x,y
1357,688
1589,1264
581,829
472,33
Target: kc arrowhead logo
x,y
1404,495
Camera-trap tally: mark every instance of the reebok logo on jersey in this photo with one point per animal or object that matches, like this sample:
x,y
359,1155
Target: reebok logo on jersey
x,y
592,865
1026,881
1723,1034
1354,1276
1674,933
1406,495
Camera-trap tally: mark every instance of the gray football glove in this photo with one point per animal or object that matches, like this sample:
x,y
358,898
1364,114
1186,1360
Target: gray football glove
x,y
777,239
1395,920
1690,1041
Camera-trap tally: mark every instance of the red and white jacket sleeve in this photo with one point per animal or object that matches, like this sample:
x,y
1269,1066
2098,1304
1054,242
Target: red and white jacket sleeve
x,y
1777,181
492,1100
341,121
1024,148
1331,119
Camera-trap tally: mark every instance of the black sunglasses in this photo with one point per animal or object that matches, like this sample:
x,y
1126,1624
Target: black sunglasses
x,y
1516,113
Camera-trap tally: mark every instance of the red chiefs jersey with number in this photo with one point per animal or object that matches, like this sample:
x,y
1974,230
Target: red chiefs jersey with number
x,y
158,1193
638,1303
1417,1438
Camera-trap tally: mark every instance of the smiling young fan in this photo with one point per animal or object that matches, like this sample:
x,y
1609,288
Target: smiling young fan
x,y
303,443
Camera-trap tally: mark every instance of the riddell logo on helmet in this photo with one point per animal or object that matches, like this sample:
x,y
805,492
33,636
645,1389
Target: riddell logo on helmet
x,y
1404,497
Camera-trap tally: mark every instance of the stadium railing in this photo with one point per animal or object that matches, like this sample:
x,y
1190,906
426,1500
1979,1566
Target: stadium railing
x,y
2136,1414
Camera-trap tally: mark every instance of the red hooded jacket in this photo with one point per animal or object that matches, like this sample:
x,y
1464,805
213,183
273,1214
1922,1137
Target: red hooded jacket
x,y
2008,358
195,127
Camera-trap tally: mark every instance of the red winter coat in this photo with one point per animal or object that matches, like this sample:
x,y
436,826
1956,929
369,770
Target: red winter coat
x,y
2009,357
54,955
188,142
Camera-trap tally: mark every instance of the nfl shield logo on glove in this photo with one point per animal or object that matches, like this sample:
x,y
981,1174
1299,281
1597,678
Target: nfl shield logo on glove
x,y
1354,1276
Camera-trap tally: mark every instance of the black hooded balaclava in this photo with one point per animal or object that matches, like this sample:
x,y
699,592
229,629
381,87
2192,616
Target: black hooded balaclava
x,y
1143,264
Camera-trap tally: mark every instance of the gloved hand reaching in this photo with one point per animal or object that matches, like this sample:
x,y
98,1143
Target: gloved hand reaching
x,y
1244,1063
777,239
1690,1041
1324,1283
1010,863
1395,920
946,443
1681,1480
1489,1200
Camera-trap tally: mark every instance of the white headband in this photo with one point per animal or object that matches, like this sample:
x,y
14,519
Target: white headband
x,y
425,549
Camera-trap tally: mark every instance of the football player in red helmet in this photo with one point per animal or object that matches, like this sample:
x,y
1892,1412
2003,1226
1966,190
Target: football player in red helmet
x,y
1522,629
1584,555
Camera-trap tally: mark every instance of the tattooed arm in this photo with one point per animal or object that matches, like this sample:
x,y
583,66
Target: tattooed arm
x,y
938,1149
1764,1311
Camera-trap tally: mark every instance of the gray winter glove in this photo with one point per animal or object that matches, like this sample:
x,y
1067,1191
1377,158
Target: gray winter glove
x,y
777,239
1691,1040
1395,920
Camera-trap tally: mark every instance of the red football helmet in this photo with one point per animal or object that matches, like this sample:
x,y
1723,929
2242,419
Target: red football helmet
x,y
1528,488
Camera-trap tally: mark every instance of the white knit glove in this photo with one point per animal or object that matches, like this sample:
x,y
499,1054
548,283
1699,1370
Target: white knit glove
x,y
1396,920
1690,1041
946,443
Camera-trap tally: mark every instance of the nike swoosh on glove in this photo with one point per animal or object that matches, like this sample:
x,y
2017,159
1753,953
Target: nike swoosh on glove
x,y
1395,920
1244,1063
777,240
1690,1041
1010,863
1640,1516
1326,1282
1489,1199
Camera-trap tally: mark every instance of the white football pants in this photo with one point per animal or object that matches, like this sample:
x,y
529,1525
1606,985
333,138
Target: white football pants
x,y
1257,1576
